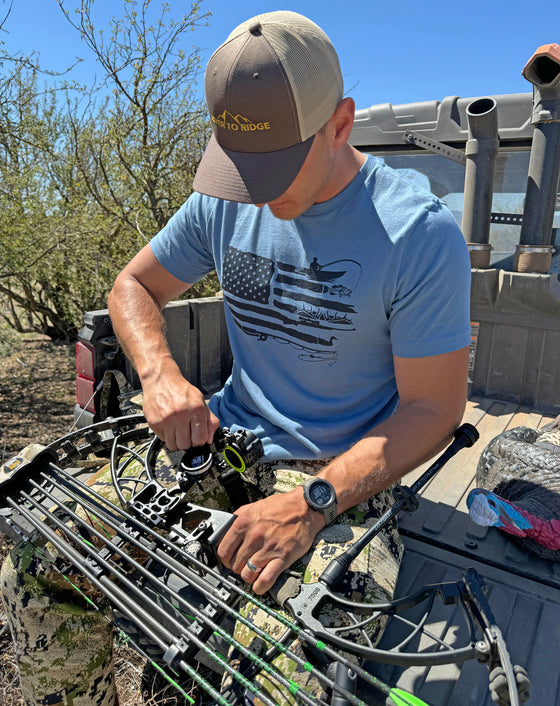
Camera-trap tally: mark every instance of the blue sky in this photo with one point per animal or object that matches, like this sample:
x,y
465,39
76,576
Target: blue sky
x,y
395,52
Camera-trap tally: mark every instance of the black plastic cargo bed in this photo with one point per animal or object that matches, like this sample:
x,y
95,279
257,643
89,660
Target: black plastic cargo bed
x,y
442,542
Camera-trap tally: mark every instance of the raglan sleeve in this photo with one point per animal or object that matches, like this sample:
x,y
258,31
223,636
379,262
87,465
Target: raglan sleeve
x,y
430,310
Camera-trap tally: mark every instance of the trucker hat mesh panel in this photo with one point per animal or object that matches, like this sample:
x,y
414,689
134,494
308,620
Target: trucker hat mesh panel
x,y
317,92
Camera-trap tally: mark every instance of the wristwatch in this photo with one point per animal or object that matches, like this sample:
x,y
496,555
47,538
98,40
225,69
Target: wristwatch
x,y
320,495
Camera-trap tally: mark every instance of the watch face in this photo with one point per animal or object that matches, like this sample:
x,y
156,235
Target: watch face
x,y
320,493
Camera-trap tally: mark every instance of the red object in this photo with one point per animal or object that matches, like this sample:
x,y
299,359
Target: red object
x,y
84,360
85,391
85,376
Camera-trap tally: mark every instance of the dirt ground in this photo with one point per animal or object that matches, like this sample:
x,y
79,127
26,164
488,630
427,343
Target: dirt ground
x,y
37,397
37,394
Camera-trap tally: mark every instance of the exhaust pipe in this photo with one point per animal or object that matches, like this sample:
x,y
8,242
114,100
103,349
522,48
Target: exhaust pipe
x,y
481,150
534,252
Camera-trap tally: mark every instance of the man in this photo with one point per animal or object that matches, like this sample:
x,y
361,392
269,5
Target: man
x,y
364,280
347,300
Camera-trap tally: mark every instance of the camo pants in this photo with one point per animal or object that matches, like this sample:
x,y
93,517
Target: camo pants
x,y
64,647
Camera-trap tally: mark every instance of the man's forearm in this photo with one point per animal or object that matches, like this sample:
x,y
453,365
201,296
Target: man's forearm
x,y
174,408
414,434
138,324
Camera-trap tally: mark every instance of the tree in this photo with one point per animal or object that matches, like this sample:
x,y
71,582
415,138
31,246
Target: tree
x,y
85,181
140,166
40,286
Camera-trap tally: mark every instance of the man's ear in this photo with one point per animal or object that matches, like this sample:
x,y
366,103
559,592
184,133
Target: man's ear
x,y
343,121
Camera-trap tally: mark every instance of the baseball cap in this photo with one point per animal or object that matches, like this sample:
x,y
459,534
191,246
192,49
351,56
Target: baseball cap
x,y
270,87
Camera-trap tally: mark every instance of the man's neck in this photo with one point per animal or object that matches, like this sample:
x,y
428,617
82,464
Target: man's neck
x,y
349,163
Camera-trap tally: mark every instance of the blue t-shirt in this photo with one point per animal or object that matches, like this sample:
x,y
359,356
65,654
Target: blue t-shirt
x,y
316,307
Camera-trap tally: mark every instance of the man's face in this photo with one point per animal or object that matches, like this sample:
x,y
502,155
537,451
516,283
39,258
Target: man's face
x,y
311,184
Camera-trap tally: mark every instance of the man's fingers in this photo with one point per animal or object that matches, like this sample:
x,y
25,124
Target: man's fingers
x,y
228,549
167,436
266,538
212,424
196,431
179,415
264,580
171,440
184,430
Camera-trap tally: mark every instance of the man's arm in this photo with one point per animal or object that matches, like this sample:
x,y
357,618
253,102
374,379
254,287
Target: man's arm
x,y
432,393
277,531
174,408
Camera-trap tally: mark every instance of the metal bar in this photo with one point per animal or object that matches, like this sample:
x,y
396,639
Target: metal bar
x,y
481,151
431,145
534,252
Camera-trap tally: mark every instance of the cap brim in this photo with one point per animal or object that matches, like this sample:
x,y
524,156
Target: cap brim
x,y
249,177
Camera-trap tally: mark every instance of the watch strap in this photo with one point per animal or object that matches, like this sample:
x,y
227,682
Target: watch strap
x,y
330,514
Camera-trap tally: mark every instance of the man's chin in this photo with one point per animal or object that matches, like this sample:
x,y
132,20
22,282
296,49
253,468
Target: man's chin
x,y
285,211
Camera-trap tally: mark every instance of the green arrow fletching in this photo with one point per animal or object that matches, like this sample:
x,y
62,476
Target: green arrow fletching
x,y
402,698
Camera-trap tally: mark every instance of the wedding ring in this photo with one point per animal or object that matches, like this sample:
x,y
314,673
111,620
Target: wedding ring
x,y
252,567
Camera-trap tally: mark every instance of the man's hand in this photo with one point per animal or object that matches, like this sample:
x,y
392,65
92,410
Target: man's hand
x,y
272,534
173,408
176,410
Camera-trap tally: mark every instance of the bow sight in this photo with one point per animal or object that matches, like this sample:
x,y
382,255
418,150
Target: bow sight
x,y
230,454
177,604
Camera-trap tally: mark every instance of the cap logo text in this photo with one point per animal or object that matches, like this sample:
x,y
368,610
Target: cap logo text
x,y
238,123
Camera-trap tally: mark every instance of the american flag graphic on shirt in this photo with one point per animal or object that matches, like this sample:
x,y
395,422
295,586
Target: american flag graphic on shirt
x,y
308,308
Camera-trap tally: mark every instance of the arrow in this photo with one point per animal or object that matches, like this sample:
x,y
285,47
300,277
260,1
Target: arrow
x,y
400,697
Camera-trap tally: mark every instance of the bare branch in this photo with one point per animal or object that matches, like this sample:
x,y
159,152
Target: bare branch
x,y
4,17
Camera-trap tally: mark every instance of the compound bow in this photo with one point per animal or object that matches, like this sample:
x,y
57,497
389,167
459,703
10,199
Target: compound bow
x,y
177,604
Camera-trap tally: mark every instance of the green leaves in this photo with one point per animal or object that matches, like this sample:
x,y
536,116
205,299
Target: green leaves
x,y
89,174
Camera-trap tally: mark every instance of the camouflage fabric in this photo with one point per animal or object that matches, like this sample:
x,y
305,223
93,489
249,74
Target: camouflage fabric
x,y
550,436
64,646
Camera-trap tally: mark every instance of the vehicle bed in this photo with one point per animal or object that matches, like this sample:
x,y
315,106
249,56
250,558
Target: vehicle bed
x,y
441,542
